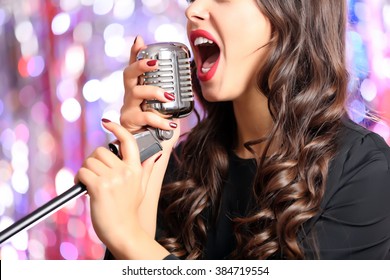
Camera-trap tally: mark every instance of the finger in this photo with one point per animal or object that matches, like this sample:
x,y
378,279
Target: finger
x,y
138,45
98,166
136,69
136,97
88,178
129,118
101,157
149,92
94,165
128,145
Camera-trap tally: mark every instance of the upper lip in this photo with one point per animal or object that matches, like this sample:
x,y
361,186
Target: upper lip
x,y
197,36
201,33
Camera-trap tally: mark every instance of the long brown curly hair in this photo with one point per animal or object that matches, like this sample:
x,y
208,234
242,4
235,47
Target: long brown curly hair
x,y
304,78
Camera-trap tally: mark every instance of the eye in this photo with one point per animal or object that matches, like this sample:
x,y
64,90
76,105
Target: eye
x,y
190,1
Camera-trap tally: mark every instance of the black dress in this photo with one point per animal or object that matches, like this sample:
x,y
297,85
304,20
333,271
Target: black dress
x,y
354,222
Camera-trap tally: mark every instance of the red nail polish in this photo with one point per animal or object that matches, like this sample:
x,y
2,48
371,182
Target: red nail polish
x,y
106,120
169,96
173,124
152,62
135,39
157,158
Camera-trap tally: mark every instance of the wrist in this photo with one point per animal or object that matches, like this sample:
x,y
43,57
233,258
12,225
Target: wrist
x,y
136,244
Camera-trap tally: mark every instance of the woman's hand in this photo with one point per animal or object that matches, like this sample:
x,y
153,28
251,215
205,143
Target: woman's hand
x,y
117,188
132,116
134,119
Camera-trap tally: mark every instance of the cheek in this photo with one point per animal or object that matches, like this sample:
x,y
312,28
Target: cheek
x,y
243,68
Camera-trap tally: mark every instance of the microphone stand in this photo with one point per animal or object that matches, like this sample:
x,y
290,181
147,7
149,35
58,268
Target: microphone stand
x,y
42,212
148,144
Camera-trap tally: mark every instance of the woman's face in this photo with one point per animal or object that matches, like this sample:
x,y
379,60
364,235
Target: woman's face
x,y
228,39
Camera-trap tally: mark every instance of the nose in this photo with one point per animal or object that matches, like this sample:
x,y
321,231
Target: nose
x,y
198,10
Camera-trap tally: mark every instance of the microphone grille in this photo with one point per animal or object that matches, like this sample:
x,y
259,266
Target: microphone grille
x,y
173,75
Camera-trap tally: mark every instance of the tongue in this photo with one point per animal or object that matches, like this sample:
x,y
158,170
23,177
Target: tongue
x,y
209,62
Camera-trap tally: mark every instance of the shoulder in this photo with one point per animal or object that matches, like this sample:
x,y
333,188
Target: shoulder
x,y
361,152
358,183
360,168
354,138
354,220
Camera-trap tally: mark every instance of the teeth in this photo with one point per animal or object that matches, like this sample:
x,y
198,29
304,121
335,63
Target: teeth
x,y
201,41
205,70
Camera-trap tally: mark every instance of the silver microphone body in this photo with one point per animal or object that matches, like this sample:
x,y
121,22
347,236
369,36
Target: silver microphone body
x,y
173,76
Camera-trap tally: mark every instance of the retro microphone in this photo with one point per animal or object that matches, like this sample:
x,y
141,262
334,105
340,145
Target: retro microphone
x,y
174,76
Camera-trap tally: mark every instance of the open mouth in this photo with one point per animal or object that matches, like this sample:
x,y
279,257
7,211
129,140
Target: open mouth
x,y
208,54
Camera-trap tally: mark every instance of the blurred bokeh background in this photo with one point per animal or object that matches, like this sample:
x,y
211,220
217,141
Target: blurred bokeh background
x,y
61,65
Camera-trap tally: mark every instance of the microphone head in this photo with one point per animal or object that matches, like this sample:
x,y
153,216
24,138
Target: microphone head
x,y
173,76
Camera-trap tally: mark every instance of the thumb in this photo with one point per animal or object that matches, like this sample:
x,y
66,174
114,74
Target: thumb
x,y
128,145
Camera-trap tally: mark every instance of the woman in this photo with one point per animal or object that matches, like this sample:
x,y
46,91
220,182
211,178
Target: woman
x,y
274,169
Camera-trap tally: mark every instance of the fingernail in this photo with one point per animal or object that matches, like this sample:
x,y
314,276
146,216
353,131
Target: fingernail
x,y
173,124
106,120
152,62
157,158
135,39
169,96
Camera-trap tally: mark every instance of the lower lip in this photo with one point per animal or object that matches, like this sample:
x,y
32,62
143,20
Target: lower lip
x,y
204,77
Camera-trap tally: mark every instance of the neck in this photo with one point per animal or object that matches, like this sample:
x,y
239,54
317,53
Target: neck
x,y
253,122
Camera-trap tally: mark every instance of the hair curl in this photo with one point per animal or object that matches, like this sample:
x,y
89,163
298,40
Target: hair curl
x,y
304,78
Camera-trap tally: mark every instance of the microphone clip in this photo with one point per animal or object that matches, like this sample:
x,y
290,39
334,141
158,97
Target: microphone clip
x,y
148,142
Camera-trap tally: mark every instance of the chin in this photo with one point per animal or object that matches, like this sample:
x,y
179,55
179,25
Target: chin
x,y
216,97
211,97
217,94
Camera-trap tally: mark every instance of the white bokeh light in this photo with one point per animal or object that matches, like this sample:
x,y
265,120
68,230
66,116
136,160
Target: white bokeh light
x,y
368,90
75,60
66,88
112,86
6,195
102,7
124,9
69,5
71,110
60,23
20,153
170,33
386,15
380,66
156,6
36,249
20,240
30,47
115,46
63,180
9,253
113,30
24,31
182,3
20,181
87,2
92,90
